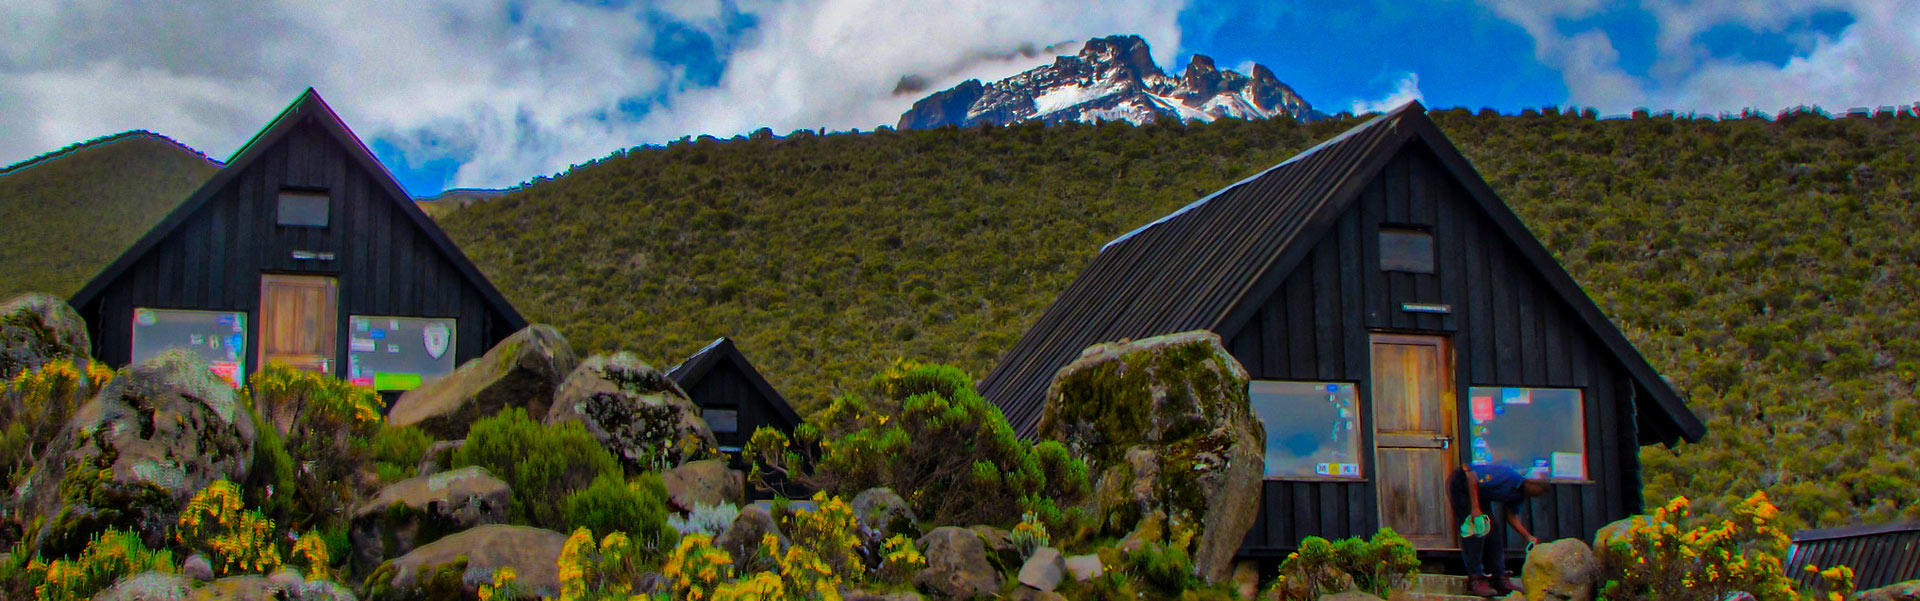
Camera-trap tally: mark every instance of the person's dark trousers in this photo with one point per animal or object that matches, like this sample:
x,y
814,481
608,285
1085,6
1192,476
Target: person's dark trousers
x,y
1483,555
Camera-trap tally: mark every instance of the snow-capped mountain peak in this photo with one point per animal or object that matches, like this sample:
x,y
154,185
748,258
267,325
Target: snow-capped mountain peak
x,y
1111,78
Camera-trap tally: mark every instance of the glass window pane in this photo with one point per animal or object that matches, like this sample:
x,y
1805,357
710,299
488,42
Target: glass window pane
x,y
1312,428
1406,250
304,209
220,337
1526,428
399,353
722,421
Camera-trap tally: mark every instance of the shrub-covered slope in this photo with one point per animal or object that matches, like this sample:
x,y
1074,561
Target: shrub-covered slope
x,y
66,215
1768,267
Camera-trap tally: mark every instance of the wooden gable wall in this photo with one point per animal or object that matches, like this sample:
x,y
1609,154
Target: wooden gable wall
x,y
1508,329
386,265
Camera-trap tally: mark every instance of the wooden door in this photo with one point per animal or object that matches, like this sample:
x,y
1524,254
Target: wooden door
x,y
1413,433
298,315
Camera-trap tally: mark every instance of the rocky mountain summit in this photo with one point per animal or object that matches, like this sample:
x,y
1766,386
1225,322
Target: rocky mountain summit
x,y
1109,79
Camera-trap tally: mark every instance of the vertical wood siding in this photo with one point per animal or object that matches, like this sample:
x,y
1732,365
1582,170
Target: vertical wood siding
x,y
385,265
1508,328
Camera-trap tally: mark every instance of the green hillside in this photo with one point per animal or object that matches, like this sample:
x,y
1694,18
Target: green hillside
x,y
71,212
1768,267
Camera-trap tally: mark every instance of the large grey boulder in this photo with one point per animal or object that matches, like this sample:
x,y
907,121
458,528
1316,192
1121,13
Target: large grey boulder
x,y
1166,423
133,455
148,586
1044,570
636,411
749,527
1617,531
533,554
419,510
957,566
1085,567
704,483
521,371
1562,570
36,328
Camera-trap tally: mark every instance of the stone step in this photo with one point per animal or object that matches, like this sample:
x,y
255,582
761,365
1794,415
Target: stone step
x,y
1415,596
1437,583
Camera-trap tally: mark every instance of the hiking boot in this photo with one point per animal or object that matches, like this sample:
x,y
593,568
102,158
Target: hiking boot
x,y
1480,586
1504,584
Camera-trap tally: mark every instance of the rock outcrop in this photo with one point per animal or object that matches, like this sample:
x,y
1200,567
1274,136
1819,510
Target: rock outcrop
x,y
472,556
957,566
36,328
133,455
639,414
1166,424
521,371
420,510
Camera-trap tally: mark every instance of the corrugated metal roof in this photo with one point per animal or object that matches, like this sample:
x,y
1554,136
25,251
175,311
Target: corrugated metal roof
x,y
1202,266
1183,271
1879,554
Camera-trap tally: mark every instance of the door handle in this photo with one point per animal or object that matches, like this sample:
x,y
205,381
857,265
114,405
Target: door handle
x,y
1445,441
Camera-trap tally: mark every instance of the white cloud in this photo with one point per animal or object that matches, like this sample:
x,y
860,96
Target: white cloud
x,y
835,63
1405,89
1873,62
508,89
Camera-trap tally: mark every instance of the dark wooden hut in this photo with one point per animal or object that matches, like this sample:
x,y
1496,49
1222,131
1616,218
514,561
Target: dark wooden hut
x,y
733,397
1398,320
303,250
1880,554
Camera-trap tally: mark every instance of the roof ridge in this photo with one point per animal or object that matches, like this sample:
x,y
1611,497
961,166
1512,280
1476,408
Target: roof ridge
x,y
104,140
1392,115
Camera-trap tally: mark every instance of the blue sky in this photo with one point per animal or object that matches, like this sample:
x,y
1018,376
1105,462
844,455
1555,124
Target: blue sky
x,y
490,93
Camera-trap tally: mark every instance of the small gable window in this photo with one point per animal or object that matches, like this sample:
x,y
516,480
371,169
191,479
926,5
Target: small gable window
x,y
302,208
1405,249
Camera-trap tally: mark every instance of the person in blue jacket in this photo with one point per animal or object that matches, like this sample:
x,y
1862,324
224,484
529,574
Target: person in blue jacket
x,y
1472,490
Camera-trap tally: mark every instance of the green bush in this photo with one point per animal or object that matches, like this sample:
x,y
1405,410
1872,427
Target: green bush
x,y
397,451
35,404
111,555
1378,566
322,423
613,504
927,435
543,464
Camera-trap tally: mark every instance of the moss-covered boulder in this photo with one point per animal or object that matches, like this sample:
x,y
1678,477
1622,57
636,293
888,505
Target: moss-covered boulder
x,y
883,511
466,560
1166,423
420,510
36,328
636,411
521,371
133,455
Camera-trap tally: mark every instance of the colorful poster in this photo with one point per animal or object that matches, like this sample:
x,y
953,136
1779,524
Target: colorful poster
x,y
1482,408
1516,396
